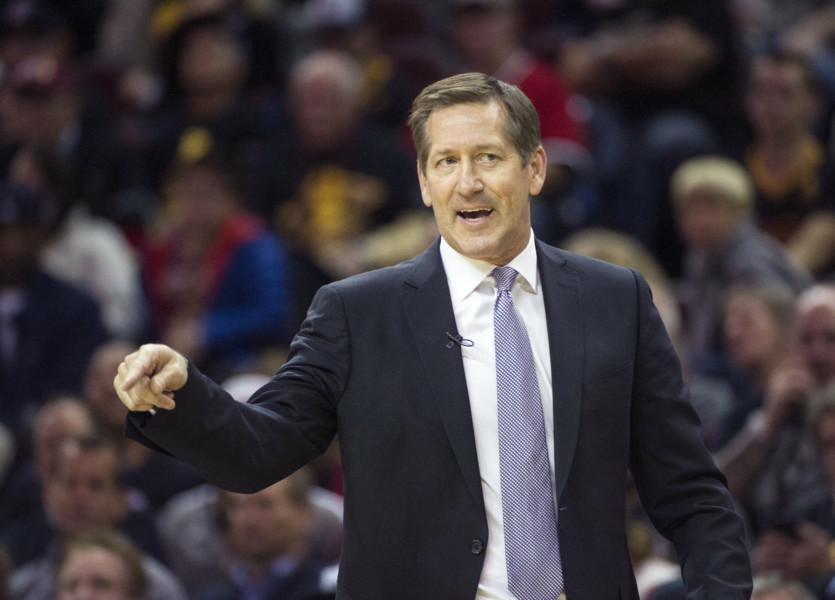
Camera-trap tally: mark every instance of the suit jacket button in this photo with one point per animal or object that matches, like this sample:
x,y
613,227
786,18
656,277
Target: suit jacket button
x,y
477,547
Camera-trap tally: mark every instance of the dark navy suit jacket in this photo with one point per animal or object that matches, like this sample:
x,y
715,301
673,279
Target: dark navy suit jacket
x,y
57,332
372,362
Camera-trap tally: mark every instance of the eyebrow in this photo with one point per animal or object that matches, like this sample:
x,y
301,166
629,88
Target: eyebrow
x,y
478,148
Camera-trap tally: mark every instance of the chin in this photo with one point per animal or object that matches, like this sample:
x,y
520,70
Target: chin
x,y
478,253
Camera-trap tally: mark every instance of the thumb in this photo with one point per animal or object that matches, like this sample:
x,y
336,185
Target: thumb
x,y
171,376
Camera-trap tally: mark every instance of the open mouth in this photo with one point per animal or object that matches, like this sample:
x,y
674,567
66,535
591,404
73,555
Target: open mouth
x,y
474,215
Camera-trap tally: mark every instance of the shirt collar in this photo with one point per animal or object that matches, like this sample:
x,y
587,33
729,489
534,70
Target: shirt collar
x,y
465,274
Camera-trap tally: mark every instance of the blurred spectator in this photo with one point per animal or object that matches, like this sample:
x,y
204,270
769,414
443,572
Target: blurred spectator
x,y
800,548
265,37
713,203
208,105
488,35
663,78
756,321
124,41
101,566
33,28
767,24
786,159
85,250
810,33
83,491
217,278
349,201
48,328
48,105
189,523
267,537
815,325
193,538
772,466
86,495
59,419
79,19
151,477
389,85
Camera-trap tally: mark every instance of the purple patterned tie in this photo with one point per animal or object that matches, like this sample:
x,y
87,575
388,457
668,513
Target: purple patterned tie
x,y
532,548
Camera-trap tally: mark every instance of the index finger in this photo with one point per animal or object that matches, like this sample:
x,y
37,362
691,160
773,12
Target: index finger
x,y
139,365
142,396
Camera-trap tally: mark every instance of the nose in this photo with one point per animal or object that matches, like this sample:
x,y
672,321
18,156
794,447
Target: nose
x,y
469,179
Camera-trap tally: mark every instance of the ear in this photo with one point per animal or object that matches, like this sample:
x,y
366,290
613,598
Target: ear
x,y
424,187
537,165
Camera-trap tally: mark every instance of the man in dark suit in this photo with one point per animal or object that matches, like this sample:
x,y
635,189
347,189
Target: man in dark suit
x,y
402,364
46,326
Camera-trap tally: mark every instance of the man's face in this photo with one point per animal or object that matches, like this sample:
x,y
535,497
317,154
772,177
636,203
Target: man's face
x,y
816,340
780,102
476,183
20,247
704,219
210,62
267,524
479,32
323,113
752,332
51,433
84,494
93,574
199,203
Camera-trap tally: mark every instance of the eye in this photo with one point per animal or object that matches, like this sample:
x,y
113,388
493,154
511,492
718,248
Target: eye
x,y
446,161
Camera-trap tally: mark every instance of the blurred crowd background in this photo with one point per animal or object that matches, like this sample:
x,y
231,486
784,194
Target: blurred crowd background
x,y
192,171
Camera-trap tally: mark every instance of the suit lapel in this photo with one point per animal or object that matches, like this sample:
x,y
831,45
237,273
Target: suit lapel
x,y
563,310
428,306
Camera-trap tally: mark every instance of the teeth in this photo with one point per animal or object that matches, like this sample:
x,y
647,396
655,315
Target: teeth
x,y
478,212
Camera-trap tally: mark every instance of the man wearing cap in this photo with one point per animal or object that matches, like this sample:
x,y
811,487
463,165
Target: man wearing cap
x,y
490,397
48,329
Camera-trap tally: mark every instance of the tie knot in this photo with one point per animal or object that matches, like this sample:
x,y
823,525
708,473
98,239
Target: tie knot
x,y
504,276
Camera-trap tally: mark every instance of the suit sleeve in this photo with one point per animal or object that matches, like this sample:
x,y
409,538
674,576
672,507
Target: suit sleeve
x,y
681,489
245,447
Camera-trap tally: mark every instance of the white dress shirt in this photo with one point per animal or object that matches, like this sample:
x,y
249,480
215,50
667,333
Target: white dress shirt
x,y
473,296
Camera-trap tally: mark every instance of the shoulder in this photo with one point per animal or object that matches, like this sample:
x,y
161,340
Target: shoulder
x,y
414,271
583,269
